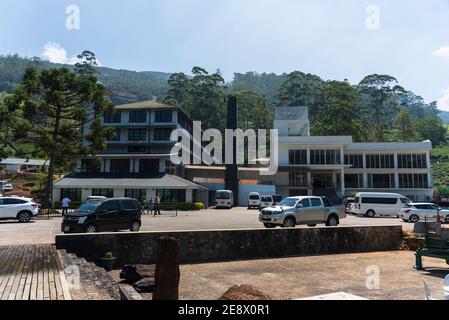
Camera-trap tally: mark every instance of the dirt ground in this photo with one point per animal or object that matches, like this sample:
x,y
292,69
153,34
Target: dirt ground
x,y
300,277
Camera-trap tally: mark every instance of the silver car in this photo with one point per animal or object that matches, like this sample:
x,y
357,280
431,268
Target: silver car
x,y
306,210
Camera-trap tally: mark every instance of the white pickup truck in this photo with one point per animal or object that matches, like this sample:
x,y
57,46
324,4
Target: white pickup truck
x,y
306,210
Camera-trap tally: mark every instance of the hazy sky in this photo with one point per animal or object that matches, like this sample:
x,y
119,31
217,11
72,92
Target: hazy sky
x,y
335,39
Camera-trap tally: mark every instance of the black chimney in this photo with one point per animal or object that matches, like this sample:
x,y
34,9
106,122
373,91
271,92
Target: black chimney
x,y
232,173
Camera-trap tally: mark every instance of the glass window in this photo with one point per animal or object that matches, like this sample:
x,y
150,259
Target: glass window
x,y
305,203
137,134
172,195
117,135
380,161
115,118
162,134
297,157
129,205
316,202
325,156
412,161
110,206
413,181
119,165
381,181
73,194
108,193
354,180
163,116
356,160
137,116
138,194
298,179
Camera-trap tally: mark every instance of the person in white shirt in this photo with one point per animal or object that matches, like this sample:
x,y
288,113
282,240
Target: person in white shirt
x,y
65,205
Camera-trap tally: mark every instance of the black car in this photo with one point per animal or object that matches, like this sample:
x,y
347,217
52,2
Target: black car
x,y
102,215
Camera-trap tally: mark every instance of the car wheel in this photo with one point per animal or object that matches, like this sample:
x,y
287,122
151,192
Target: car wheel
x,y
24,217
311,225
135,226
91,228
414,218
269,226
289,222
370,214
332,221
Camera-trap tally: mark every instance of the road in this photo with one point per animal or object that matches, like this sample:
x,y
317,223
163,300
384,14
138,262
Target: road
x,y
43,231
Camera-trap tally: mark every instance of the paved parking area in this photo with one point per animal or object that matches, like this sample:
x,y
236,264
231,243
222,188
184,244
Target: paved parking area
x,y
43,231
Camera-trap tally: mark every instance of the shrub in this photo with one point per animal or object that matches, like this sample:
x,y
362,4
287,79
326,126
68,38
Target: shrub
x,y
199,206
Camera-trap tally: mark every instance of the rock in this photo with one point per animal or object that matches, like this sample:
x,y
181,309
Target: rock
x,y
245,292
144,285
133,273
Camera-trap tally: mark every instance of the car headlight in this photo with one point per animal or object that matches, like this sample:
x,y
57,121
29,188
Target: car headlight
x,y
81,220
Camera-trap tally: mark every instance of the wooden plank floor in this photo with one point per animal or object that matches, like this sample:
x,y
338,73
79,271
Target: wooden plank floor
x,y
31,272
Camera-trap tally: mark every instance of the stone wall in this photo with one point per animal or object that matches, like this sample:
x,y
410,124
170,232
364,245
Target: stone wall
x,y
224,245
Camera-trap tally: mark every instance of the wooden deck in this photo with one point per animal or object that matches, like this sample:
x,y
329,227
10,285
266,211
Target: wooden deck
x,y
31,272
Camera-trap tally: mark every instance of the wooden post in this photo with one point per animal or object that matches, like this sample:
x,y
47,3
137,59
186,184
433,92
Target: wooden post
x,y
166,286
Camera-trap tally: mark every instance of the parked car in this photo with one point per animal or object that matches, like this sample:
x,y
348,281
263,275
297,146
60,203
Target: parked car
x,y
307,210
100,215
253,200
347,203
422,211
18,208
266,202
276,199
224,199
371,204
4,186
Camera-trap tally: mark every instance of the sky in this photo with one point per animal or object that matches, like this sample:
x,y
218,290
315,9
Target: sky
x,y
335,39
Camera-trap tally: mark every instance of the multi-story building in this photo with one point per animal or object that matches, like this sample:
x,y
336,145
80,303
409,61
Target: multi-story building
x,y
136,162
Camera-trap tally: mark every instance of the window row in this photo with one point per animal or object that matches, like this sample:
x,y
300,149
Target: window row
x,y
140,116
140,134
387,181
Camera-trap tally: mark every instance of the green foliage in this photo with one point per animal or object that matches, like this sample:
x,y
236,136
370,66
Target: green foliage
x,y
253,111
433,129
404,127
443,191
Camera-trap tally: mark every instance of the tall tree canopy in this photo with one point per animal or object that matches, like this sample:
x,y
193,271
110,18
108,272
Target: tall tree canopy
x,y
432,128
55,108
253,111
404,126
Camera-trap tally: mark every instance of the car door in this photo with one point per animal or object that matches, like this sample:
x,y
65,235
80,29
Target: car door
x,y
11,207
317,211
107,216
303,214
432,211
3,210
127,213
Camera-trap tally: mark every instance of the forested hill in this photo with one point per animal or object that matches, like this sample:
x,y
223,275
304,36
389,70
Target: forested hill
x,y
123,85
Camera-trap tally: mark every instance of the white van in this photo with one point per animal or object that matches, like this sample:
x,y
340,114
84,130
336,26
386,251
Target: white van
x,y
253,200
224,199
266,202
372,204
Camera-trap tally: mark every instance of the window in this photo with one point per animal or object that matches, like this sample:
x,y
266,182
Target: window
x,y
114,118
163,116
315,202
381,181
137,134
90,165
378,161
412,161
298,179
119,165
325,156
297,157
138,194
108,193
379,200
172,195
137,149
354,180
305,203
137,116
72,194
162,134
356,160
413,181
8,201
130,204
110,206
117,135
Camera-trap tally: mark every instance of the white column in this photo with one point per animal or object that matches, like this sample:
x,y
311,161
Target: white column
x,y
308,155
342,182
309,182
189,196
429,172
56,195
161,165
85,193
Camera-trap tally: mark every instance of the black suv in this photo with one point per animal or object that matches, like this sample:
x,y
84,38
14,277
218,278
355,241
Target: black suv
x,y
101,215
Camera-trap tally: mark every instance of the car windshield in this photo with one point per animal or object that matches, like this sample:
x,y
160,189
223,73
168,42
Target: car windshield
x,y
405,200
89,206
289,202
254,197
222,195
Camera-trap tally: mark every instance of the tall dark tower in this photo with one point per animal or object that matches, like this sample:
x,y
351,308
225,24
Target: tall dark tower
x,y
232,171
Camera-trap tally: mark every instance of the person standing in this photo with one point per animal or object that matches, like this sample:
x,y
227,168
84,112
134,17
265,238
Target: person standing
x,y
65,205
150,206
157,202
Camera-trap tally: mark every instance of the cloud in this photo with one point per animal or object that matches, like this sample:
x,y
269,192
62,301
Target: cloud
x,y
442,52
443,103
55,53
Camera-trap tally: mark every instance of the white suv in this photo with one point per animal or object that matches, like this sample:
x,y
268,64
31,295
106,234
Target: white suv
x,y
414,212
22,209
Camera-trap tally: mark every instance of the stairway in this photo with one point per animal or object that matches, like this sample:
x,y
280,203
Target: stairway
x,y
94,282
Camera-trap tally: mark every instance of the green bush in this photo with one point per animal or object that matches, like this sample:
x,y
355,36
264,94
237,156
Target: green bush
x,y
199,206
182,206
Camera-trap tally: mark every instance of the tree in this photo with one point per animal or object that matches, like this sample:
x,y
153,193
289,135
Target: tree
x,y
432,128
87,63
56,107
339,116
302,89
253,111
405,129
377,94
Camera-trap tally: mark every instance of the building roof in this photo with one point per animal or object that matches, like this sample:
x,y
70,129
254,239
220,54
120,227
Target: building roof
x,y
29,162
158,182
149,104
